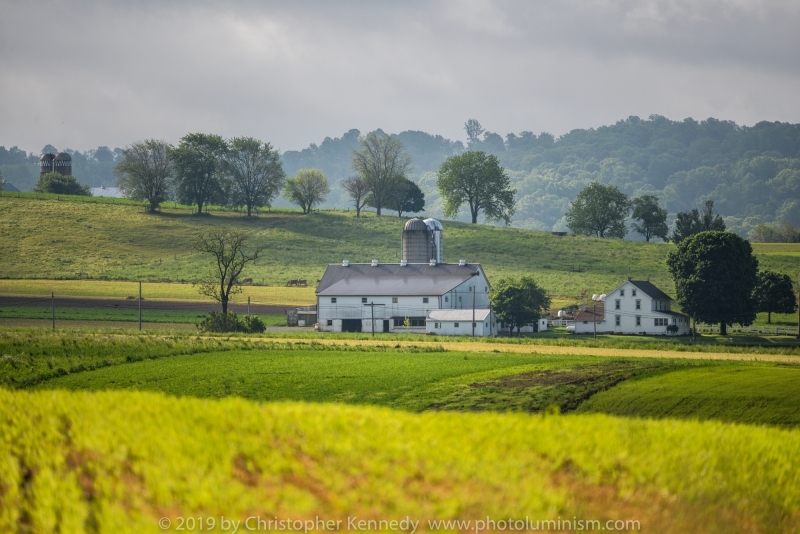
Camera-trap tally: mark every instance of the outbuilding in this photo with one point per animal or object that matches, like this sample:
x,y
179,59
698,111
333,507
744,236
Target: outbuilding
x,y
462,323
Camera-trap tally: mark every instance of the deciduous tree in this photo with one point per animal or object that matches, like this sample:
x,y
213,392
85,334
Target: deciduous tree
x,y
407,197
306,189
358,189
715,274
650,220
198,161
477,179
599,210
693,222
774,294
255,171
146,172
519,302
60,184
382,162
231,252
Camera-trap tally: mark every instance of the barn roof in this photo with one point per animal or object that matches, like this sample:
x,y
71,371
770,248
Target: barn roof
x,y
394,279
458,315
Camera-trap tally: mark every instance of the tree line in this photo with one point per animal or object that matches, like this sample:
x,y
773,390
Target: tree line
x,y
248,173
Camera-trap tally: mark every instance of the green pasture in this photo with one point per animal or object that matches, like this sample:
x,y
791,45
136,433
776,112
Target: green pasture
x,y
65,239
122,461
118,314
754,394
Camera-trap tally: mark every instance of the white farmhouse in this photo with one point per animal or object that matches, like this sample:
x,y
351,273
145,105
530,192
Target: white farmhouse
x,y
635,307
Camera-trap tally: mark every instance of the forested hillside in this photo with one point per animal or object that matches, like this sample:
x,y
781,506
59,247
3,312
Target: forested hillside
x,y
752,173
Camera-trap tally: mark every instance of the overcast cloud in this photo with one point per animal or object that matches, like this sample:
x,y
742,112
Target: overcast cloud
x,y
80,74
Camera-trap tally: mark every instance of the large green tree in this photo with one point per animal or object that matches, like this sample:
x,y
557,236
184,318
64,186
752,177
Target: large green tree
x,y
199,160
407,197
477,179
599,210
519,302
693,222
650,219
145,172
308,188
774,294
255,171
715,274
382,162
60,184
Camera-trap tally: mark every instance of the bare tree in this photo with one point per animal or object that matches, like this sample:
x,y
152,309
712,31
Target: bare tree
x,y
358,189
309,187
256,171
145,172
382,162
231,254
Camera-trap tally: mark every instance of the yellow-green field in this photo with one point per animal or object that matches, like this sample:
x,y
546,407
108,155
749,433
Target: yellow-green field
x,y
289,296
121,462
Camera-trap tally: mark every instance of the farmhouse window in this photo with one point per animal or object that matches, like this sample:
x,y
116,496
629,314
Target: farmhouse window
x,y
424,300
621,292
455,325
363,300
633,292
437,325
333,300
617,320
638,320
394,300
638,304
616,304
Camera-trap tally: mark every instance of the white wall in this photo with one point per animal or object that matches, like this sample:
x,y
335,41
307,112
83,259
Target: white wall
x,y
353,308
628,313
448,328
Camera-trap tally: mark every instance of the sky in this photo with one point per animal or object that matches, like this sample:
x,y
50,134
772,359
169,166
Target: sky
x,y
79,73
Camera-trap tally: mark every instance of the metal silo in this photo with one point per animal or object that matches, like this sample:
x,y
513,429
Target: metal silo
x,y
46,163
435,229
416,242
63,163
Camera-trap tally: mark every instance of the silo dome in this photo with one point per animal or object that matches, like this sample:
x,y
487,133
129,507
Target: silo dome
x,y
415,225
63,156
46,163
47,157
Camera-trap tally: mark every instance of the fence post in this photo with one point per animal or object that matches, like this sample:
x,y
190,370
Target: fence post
x,y
140,305
53,303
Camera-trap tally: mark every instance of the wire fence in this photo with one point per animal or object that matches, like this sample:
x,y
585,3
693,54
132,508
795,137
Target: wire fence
x,y
131,312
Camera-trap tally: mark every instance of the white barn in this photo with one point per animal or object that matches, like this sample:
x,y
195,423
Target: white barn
x,y
375,297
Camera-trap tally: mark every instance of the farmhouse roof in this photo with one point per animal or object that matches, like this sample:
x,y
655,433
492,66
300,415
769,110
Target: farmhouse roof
x,y
650,290
590,315
458,315
394,279
9,187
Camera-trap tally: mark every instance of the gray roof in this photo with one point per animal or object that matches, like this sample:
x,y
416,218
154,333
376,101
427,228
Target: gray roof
x,y
9,187
458,315
393,279
650,290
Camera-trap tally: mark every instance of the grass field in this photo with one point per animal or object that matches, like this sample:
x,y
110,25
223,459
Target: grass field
x,y
117,314
49,239
121,461
755,394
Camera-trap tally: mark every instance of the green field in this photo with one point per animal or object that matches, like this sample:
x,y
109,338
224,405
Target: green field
x,y
754,394
50,239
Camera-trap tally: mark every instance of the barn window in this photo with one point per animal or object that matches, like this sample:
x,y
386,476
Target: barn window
x,y
330,322
455,325
447,299
363,300
424,300
394,300
333,300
